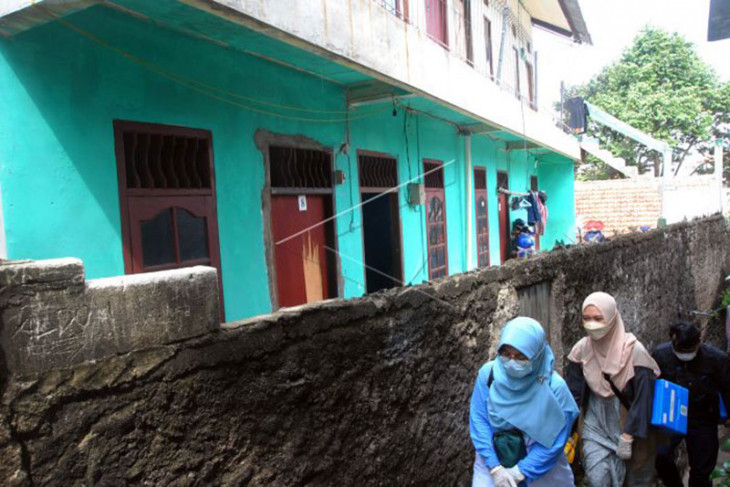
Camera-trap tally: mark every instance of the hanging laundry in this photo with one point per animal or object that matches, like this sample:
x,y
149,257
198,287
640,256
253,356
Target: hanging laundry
x,y
520,203
542,209
533,212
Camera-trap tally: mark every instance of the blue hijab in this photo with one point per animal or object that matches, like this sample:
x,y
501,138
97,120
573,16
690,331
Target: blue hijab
x,y
527,403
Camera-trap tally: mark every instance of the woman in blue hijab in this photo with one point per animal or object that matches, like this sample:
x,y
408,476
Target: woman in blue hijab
x,y
521,413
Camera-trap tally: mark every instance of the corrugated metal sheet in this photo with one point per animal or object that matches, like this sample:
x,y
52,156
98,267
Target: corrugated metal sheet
x,y
534,301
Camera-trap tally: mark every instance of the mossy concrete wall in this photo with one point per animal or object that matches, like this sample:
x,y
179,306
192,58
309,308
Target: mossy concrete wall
x,y
369,391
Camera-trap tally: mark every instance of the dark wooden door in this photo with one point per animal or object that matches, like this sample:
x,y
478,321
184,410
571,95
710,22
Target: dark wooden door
x,y
301,262
504,224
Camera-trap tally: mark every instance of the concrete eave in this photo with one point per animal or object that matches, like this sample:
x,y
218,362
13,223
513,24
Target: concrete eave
x,y
410,63
17,16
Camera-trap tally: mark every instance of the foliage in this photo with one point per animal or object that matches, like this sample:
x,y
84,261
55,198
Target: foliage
x,y
662,87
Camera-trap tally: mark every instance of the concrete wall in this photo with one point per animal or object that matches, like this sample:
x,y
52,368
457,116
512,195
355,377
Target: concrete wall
x,y
66,89
368,391
624,203
53,318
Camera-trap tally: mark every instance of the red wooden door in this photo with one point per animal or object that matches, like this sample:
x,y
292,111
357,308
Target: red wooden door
x,y
436,21
301,263
482,218
438,256
504,224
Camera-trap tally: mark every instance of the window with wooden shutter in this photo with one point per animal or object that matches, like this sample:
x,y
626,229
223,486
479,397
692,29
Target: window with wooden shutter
x,y
438,265
167,197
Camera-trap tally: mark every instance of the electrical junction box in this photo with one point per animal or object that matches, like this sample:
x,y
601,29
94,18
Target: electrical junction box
x,y
416,194
671,402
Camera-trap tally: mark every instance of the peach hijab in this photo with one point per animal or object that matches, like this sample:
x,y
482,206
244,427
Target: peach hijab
x,y
615,354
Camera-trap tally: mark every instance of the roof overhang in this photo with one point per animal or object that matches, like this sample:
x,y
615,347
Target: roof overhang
x,y
562,17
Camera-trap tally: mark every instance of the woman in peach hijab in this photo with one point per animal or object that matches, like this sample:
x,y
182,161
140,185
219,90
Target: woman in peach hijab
x,y
611,376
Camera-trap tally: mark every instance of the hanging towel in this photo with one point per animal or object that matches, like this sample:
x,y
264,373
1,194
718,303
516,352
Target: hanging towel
x,y
542,209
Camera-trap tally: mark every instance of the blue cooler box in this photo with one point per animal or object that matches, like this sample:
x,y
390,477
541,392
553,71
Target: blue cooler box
x,y
669,411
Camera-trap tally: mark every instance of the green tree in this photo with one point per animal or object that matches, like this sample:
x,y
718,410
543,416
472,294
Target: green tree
x,y
662,87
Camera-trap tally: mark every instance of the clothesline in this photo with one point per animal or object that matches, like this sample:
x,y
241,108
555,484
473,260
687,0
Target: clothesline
x,y
511,193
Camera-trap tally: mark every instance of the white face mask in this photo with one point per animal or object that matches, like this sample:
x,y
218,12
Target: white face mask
x,y
595,329
516,368
685,357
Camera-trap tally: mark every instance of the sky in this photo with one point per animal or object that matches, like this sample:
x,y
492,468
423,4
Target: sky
x,y
613,24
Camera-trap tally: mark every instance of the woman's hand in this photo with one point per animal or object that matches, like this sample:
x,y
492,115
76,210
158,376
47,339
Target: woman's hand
x,y
516,474
502,478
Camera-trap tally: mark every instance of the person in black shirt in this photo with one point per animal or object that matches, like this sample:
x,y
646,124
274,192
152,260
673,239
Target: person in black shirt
x,y
705,371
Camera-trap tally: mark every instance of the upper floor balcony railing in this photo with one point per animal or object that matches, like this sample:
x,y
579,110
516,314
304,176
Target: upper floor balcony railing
x,y
473,31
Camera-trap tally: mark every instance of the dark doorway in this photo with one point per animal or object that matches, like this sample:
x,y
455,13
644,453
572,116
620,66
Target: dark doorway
x,y
380,221
504,230
381,242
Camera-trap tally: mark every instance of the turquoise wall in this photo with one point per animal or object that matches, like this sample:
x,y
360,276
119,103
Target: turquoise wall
x,y
62,91
557,178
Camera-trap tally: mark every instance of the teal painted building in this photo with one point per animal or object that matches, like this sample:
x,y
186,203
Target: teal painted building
x,y
65,82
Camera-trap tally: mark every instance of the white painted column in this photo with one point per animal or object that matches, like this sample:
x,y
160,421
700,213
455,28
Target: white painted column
x,y
469,205
718,175
668,213
3,246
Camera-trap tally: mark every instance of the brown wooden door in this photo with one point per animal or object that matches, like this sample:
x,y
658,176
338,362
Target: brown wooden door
x,y
301,262
482,218
534,187
504,224
438,255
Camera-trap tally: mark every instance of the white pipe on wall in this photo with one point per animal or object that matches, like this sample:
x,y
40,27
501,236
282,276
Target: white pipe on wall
x,y
469,198
718,174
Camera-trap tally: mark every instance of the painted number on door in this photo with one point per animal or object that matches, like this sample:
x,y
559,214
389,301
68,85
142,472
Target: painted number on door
x,y
302,203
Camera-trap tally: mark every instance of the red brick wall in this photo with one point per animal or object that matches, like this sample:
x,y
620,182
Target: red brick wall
x,y
624,203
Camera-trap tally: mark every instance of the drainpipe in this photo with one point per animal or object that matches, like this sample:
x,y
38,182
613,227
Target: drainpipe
x,y
3,246
469,206
667,184
505,22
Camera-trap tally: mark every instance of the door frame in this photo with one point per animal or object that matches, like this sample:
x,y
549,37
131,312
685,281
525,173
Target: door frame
x,y
394,206
264,141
